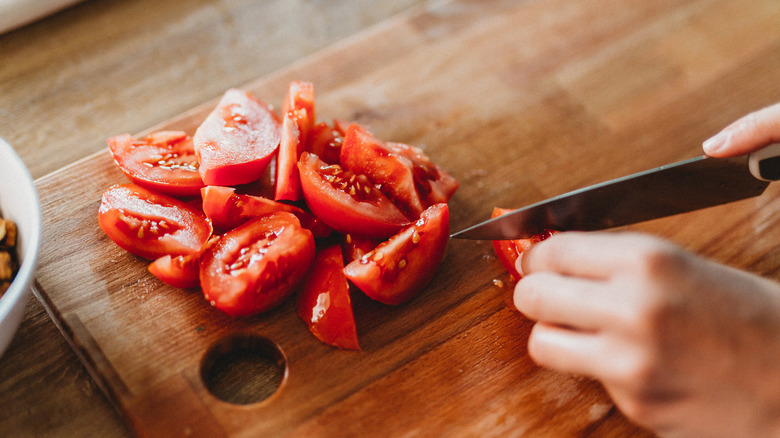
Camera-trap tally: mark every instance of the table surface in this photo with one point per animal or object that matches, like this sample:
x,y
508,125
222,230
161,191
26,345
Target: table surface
x,y
69,81
104,67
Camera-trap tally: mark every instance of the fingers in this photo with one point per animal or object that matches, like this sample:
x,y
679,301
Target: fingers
x,y
564,301
596,256
567,350
748,134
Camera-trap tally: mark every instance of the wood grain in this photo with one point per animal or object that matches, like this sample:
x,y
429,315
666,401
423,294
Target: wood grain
x,y
519,101
103,67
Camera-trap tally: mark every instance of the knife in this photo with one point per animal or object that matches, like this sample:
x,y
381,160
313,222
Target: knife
x,y
664,191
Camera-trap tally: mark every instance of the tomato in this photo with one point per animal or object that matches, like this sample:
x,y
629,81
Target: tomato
x,y
237,141
325,141
152,225
397,270
508,251
404,173
180,271
255,267
163,161
300,95
228,209
356,246
293,142
324,303
346,201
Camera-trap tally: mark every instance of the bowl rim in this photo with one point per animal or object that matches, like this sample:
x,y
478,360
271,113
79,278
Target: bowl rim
x,y
32,242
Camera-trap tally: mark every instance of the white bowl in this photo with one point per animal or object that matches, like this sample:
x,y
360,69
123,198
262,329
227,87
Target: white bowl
x,y
18,202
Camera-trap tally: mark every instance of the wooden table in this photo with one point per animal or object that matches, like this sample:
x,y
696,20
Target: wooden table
x,y
642,82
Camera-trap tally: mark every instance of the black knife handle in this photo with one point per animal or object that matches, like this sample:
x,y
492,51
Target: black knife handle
x,y
765,164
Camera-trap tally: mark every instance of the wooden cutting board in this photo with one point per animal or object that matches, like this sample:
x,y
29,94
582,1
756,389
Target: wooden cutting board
x,y
519,100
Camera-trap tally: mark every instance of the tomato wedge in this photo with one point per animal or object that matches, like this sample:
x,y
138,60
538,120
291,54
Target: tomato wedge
x,y
325,141
181,271
346,201
293,142
404,173
162,161
324,303
236,142
228,209
397,270
152,225
355,246
508,251
255,267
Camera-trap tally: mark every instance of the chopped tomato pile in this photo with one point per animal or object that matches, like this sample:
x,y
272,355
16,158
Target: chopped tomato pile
x,y
508,251
254,207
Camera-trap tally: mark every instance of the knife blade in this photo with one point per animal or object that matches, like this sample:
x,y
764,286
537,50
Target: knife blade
x,y
664,191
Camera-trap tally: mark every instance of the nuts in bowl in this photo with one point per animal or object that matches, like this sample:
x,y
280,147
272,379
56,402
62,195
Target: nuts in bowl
x,y
21,220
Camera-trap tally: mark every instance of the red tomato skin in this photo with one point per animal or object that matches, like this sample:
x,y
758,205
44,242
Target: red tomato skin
x,y
237,141
405,174
277,253
375,216
180,271
293,142
400,268
325,141
163,161
323,301
228,209
177,271
150,224
508,251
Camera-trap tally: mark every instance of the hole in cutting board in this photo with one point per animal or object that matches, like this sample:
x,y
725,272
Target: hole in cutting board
x,y
243,369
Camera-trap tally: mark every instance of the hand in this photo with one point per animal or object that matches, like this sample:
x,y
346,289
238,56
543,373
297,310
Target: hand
x,y
683,345
748,134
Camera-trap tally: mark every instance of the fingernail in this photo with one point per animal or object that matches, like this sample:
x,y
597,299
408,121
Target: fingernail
x,y
519,264
715,143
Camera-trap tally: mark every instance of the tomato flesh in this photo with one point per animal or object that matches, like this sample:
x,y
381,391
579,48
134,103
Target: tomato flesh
x,y
178,271
228,209
151,225
324,303
255,267
508,251
399,269
293,142
346,201
325,141
236,142
162,161
404,173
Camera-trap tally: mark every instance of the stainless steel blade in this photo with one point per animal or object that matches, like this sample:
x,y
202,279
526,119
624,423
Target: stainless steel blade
x,y
665,191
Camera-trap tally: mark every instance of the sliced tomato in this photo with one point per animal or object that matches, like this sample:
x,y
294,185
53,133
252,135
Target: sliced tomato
x,y
324,303
346,201
300,95
508,251
236,142
180,271
255,267
163,161
150,224
228,209
293,142
399,269
356,246
325,141
403,173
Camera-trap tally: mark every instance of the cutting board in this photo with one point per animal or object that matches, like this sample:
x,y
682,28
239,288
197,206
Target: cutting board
x,y
519,100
